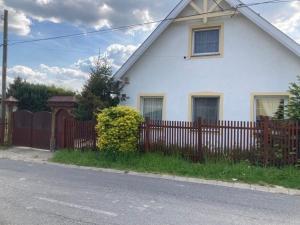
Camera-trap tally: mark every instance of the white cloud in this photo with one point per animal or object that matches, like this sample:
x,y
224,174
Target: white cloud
x,y
64,77
97,14
74,76
289,20
18,22
94,14
26,73
102,23
116,54
43,2
63,72
145,17
105,8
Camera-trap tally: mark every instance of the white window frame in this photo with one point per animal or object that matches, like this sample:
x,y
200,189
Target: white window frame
x,y
207,53
286,96
141,102
206,95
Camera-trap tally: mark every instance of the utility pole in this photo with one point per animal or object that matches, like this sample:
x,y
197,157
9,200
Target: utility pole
x,y
4,64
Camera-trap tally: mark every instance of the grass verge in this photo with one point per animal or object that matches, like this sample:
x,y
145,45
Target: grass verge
x,y
156,163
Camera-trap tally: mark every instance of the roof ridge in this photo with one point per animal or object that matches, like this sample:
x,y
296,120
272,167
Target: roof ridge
x,y
253,16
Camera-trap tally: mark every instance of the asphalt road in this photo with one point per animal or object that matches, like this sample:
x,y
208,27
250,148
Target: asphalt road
x,y
37,194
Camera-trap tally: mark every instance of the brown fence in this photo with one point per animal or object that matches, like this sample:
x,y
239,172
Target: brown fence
x,y
267,142
31,129
79,134
3,127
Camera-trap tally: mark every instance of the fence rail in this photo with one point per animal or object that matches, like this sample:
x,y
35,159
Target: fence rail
x,y
267,142
270,142
79,134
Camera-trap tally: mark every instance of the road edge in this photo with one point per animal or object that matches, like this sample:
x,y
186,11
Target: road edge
x,y
245,186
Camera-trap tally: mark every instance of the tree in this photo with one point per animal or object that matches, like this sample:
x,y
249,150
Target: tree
x,y
100,91
34,97
293,108
280,114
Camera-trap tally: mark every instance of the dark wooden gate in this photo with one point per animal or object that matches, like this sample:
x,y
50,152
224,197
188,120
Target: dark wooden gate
x,y
22,123
41,130
31,129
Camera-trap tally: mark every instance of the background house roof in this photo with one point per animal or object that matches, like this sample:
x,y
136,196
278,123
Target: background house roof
x,y
11,99
242,8
63,99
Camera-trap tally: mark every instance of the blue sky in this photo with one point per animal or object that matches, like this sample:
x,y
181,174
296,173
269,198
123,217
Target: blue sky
x,y
65,62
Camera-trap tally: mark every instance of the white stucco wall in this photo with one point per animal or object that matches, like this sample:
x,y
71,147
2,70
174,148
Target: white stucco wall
x,y
253,62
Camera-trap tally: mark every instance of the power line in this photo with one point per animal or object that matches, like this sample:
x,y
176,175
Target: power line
x,y
125,27
88,32
265,2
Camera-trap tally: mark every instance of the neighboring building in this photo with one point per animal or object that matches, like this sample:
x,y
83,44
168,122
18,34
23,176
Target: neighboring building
x,y
213,59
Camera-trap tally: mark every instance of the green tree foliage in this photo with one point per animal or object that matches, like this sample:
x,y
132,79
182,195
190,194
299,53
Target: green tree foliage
x,y
34,97
100,91
293,108
118,129
280,114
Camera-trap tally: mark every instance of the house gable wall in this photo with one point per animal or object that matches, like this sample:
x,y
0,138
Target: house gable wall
x,y
252,62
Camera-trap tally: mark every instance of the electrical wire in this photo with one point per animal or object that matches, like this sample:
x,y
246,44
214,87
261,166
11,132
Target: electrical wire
x,y
125,27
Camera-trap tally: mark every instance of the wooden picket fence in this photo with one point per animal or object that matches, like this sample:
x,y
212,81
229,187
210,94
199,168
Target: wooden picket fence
x,y
79,134
266,142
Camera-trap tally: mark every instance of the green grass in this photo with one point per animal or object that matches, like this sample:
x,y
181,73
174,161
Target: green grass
x,y
156,163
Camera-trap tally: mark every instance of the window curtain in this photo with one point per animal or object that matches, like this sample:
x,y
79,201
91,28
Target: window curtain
x,y
206,109
152,107
206,41
268,106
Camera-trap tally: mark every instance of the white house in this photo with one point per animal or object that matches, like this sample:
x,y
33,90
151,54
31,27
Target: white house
x,y
214,59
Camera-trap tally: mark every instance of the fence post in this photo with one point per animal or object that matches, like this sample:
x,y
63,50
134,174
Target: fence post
x,y
64,135
147,134
9,121
53,130
266,139
200,149
297,143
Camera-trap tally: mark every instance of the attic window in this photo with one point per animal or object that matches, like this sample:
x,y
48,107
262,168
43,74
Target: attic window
x,y
206,41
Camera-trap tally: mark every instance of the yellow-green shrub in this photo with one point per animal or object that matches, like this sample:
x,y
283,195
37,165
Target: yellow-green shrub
x,y
118,129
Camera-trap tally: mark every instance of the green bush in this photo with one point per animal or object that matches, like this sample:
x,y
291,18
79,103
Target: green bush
x,y
118,129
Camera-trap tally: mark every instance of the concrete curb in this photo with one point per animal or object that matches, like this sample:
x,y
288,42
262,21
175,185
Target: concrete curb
x,y
245,186
269,189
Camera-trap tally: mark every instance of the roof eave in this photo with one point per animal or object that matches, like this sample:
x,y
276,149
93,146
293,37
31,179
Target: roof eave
x,y
149,41
266,26
246,11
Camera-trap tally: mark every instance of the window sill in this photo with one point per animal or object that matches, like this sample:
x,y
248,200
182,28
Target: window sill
x,y
206,56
